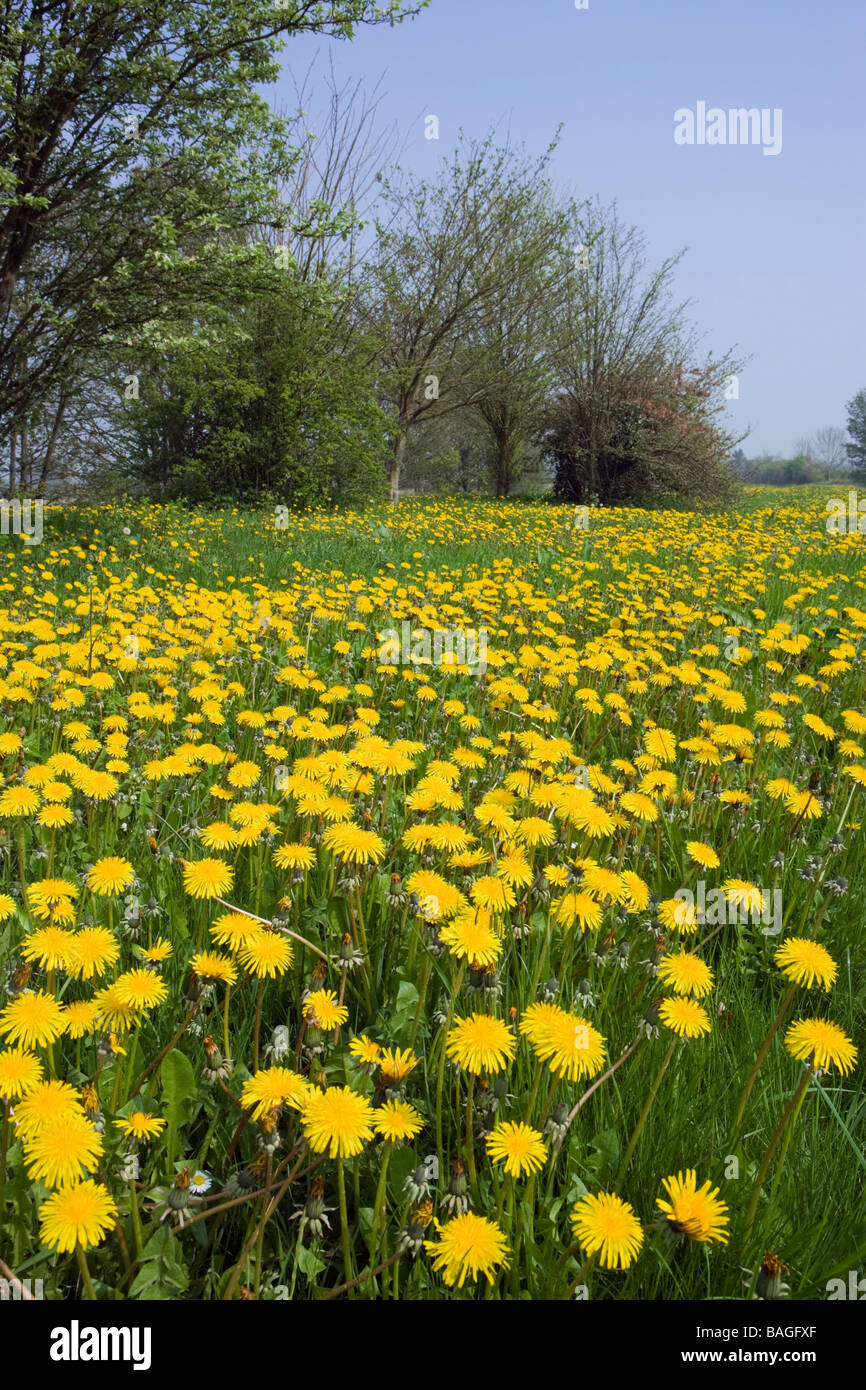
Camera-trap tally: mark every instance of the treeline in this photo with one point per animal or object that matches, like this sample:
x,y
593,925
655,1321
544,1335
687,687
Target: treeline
x,y
831,454
202,298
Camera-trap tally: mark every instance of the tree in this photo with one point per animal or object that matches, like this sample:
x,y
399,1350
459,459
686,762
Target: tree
x,y
506,364
435,271
288,408
124,131
636,411
856,448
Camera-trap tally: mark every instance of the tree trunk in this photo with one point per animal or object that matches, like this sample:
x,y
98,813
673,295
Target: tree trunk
x,y
397,463
12,464
24,457
52,440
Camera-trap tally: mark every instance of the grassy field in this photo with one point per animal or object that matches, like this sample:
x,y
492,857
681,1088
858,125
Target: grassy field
x,y
331,972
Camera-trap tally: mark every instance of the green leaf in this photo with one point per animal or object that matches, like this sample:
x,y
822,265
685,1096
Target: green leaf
x,y
309,1262
163,1274
179,1086
606,1157
405,1006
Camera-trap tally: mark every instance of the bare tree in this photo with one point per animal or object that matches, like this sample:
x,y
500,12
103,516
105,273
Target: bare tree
x,y
436,267
830,450
630,395
331,156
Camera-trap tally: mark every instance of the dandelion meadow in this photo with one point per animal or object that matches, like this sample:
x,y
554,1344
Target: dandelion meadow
x,y
329,973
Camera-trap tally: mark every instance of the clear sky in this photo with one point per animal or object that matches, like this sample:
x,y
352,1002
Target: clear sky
x,y
776,242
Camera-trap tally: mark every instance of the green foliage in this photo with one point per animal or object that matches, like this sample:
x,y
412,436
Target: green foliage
x,y
285,407
857,430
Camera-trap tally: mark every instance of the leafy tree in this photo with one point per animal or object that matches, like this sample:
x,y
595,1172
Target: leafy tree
x,y
125,130
288,409
857,429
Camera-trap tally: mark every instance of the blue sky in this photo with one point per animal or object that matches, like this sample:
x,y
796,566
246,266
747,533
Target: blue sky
x,y
776,242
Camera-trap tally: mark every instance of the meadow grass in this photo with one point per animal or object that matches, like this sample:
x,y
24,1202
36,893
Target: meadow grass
x,y
710,665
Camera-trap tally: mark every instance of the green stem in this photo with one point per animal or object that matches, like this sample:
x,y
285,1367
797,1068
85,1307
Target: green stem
x,y
258,1025
379,1204
85,1273
4,1148
632,1143
344,1226
764,1049
226,1050
470,1139
136,1220
791,1108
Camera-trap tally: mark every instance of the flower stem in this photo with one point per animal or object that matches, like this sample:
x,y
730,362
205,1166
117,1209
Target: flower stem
x,y
764,1049
85,1273
344,1228
470,1138
791,1110
638,1129
258,1025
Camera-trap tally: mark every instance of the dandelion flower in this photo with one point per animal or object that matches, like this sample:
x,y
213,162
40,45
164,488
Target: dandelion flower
x,y
692,1211
208,878
44,1102
480,1043
685,973
140,989
569,1044
702,854
235,930
806,962
518,1146
468,1246
822,1044
81,1018
33,1019
471,937
17,802
212,968
271,1088
19,1072
684,1017
337,1121
579,909
395,1064
267,955
50,947
78,1215
93,951
109,876
292,856
141,1124
606,1225
60,1149
355,845
321,1010
365,1051
397,1120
